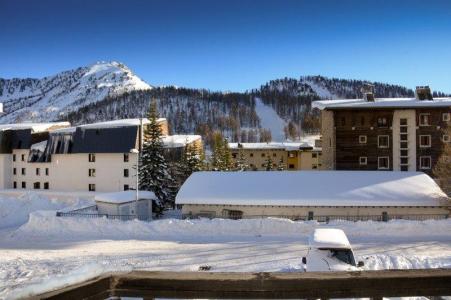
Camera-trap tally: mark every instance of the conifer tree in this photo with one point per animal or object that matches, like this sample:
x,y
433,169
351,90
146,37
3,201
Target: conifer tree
x,y
153,173
269,164
241,163
222,158
190,162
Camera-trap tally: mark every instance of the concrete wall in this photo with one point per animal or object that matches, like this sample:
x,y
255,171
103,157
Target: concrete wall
x,y
70,172
294,212
328,140
144,208
5,171
410,115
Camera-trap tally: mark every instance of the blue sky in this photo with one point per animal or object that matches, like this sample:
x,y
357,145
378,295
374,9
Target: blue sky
x,y
232,45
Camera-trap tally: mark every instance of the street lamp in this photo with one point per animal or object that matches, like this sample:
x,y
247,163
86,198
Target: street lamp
x,y
136,151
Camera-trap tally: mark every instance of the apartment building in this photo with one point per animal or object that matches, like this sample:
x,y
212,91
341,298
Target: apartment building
x,y
396,134
293,156
54,156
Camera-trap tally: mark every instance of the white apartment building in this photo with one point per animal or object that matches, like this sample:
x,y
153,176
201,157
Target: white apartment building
x,y
54,156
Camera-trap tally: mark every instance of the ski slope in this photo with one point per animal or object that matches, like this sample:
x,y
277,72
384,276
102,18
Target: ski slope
x,y
269,119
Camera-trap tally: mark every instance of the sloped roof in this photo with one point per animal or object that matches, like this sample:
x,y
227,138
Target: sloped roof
x,y
381,103
105,140
312,188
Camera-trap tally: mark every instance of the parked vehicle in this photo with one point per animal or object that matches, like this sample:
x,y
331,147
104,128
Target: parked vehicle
x,y
330,250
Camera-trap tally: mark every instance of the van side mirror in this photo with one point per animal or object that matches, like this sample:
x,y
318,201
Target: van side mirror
x,y
360,264
304,260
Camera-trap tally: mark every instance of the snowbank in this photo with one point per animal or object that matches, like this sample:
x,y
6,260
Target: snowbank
x,y
14,210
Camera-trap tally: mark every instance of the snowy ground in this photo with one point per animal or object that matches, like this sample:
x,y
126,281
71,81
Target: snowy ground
x,y
47,252
269,119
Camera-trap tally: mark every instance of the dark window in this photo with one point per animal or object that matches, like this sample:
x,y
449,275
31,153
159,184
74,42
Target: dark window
x,y
403,129
403,122
274,155
314,155
92,187
23,171
404,160
382,122
92,172
290,166
383,163
234,155
403,145
404,168
14,157
47,171
403,137
404,152
125,172
14,171
23,157
24,185
251,155
424,119
425,141
38,171
126,187
343,255
37,185
383,141
15,184
92,157
126,157
425,162
46,185
263,154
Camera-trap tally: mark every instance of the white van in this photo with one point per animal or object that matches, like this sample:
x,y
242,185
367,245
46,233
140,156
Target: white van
x,y
330,250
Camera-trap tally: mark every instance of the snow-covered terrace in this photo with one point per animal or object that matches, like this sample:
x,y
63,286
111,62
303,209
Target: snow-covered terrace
x,y
312,188
108,124
35,127
381,103
271,146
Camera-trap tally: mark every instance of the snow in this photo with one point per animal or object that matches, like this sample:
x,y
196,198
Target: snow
x,y
39,146
269,119
306,188
321,91
272,145
35,127
329,238
381,103
176,141
109,124
124,196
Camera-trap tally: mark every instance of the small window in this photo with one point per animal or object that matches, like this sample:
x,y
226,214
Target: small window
x,y
403,129
24,185
14,157
403,122
424,120
403,137
263,154
46,185
362,139
251,155
23,157
15,184
234,155
14,171
125,172
37,185
446,117
38,172
383,141
445,138
383,163
404,160
23,171
404,168
46,171
425,141
126,157
363,160
404,152
425,162
92,157
382,122
314,155
314,167
404,145
126,187
274,155
290,166
92,187
92,172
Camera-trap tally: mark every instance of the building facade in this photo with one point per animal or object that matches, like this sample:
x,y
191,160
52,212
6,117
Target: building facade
x,y
286,156
384,134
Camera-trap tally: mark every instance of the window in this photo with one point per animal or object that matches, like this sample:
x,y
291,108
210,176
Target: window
x,y
14,157
445,138
46,185
37,185
404,161
363,160
263,154
23,171
403,129
292,154
15,184
425,162
14,171
404,152
46,171
425,141
92,187
274,155
23,157
92,157
446,117
38,171
424,119
382,122
92,172
383,163
125,172
251,155
403,122
126,157
404,168
234,155
403,145
314,155
24,185
383,141
290,166
362,139
126,187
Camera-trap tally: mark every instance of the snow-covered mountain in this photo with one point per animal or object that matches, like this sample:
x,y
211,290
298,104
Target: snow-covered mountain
x,y
52,97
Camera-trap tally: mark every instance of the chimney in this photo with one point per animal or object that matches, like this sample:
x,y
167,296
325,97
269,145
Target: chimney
x,y
368,92
423,93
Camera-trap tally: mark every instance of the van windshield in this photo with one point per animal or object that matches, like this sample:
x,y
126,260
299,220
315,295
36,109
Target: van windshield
x,y
344,255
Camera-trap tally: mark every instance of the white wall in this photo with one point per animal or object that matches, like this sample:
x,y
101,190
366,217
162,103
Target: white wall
x,y
410,115
5,171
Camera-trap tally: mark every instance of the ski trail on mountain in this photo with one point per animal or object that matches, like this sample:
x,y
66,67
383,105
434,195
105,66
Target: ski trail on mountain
x,y
269,119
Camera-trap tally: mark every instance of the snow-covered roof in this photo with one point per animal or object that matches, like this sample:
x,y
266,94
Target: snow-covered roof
x,y
124,196
312,188
381,103
329,238
35,127
271,145
175,141
109,124
39,146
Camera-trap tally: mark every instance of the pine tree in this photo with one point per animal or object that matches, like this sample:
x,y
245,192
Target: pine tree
x,y
222,158
190,162
154,174
269,164
241,163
